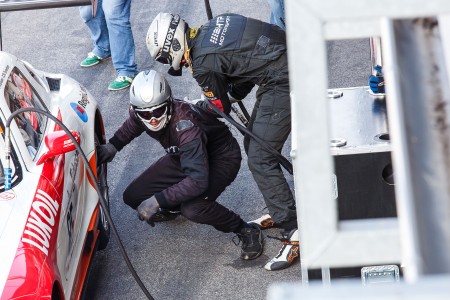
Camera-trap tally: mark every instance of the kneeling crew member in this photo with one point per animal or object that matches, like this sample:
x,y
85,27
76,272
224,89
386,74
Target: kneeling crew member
x,y
202,159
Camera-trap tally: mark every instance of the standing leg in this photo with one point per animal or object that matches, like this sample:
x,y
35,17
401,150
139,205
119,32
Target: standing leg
x,y
271,121
117,15
97,29
277,13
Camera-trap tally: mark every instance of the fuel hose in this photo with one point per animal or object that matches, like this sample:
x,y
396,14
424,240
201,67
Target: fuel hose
x,y
7,170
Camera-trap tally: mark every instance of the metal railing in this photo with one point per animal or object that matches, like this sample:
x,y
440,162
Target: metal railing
x,y
418,98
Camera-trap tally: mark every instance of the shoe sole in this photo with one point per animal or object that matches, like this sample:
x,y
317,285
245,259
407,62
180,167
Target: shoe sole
x,y
118,89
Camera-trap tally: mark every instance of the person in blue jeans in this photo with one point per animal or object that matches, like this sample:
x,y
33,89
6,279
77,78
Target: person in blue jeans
x,y
111,35
277,13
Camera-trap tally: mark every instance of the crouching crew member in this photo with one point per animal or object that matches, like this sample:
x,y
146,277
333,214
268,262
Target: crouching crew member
x,y
202,159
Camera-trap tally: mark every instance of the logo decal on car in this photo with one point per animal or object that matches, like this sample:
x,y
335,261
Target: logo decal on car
x,y
80,111
41,221
8,195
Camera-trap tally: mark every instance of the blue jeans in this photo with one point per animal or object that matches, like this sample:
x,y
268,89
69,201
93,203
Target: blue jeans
x,y
111,33
277,13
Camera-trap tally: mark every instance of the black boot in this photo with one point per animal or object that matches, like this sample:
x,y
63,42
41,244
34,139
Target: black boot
x,y
251,241
164,215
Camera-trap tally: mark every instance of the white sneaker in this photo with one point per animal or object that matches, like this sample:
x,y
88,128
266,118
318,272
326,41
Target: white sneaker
x,y
289,253
264,222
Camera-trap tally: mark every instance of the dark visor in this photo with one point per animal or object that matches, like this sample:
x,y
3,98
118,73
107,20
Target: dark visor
x,y
155,113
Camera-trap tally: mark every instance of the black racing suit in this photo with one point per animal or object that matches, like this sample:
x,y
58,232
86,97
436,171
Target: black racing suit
x,y
232,53
202,159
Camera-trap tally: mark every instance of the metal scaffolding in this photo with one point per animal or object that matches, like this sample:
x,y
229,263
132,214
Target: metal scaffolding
x,y
418,98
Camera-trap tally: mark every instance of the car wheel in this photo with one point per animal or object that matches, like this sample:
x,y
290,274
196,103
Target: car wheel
x,y
103,225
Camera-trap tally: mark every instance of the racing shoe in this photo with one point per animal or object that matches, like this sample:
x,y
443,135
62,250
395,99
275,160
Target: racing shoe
x,y
264,222
289,253
251,241
92,60
164,215
120,83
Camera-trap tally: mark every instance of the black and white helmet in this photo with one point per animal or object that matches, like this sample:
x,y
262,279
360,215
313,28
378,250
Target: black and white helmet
x,y
166,39
150,98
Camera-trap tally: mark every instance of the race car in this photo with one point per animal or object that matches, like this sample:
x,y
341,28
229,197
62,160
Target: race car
x,y
51,220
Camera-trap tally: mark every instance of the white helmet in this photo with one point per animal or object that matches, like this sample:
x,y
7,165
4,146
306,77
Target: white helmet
x,y
166,39
150,98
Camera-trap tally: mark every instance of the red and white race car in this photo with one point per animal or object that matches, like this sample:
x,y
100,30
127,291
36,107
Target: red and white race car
x,y
51,222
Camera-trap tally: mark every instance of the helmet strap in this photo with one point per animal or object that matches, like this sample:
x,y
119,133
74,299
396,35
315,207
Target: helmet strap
x,y
174,72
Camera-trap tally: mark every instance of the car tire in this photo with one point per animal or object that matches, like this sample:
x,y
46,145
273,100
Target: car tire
x,y
103,224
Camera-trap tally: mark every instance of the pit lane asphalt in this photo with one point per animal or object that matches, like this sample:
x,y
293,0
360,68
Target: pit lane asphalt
x,y
178,259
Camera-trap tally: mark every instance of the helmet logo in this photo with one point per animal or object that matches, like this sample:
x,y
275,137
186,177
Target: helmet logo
x,y
155,38
170,34
176,45
169,38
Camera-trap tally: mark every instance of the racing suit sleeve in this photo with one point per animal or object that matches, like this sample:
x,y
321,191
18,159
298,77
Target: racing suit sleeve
x,y
214,87
129,130
194,163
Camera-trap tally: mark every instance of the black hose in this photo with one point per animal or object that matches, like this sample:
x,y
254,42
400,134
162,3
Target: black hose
x,y
283,160
208,10
91,174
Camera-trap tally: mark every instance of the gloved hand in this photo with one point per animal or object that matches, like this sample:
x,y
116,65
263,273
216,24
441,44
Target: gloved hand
x,y
105,153
376,82
222,105
207,108
147,209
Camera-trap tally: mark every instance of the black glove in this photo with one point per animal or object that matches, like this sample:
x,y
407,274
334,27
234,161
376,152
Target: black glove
x,y
105,153
147,209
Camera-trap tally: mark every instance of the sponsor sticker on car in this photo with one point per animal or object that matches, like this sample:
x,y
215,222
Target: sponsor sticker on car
x,y
80,111
7,195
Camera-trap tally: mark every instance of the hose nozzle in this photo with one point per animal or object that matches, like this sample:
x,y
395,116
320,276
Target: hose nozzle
x,y
7,168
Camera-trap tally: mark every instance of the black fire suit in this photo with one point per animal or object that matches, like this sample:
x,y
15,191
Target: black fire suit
x,y
231,54
202,159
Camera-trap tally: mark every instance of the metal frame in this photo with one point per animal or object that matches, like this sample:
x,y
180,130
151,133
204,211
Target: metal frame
x,y
324,240
13,5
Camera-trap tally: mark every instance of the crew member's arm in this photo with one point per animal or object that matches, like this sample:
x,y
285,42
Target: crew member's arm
x,y
215,87
124,135
129,130
194,163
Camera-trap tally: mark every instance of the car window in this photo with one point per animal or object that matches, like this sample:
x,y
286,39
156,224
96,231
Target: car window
x,y
19,94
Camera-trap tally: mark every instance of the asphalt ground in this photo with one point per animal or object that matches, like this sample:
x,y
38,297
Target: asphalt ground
x,y
177,259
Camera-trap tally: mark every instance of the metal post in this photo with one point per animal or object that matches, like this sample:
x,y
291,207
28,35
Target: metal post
x,y
14,5
375,53
419,121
